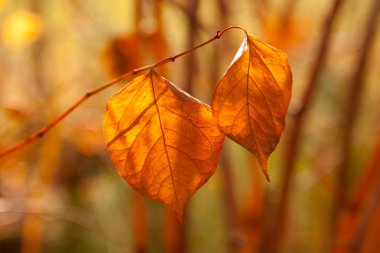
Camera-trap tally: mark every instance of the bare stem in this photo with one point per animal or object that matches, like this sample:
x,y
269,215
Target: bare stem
x,y
352,106
235,239
349,113
365,219
42,131
276,231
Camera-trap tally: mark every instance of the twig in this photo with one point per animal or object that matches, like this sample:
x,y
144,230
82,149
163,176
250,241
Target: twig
x,y
191,66
277,229
288,12
185,10
42,131
365,218
139,224
350,112
368,178
352,106
349,231
235,238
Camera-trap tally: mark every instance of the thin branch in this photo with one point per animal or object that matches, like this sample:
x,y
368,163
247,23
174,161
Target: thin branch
x,y
349,113
185,10
352,106
367,179
288,13
192,34
42,131
349,232
139,224
235,237
365,219
276,231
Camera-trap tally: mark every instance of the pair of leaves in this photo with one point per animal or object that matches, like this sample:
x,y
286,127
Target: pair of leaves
x,y
166,144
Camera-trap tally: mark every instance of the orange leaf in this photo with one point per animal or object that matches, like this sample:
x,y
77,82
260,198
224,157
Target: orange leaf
x,y
251,100
162,141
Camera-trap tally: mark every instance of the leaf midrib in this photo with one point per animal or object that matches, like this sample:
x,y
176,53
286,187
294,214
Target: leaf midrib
x,y
163,138
249,117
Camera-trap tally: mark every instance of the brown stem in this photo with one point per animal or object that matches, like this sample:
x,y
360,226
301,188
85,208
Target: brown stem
x,y
288,12
368,178
42,131
365,218
174,238
139,223
276,231
180,6
350,112
191,66
352,106
349,232
233,227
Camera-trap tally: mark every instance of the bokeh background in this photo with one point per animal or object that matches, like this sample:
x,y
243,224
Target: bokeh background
x,y
62,193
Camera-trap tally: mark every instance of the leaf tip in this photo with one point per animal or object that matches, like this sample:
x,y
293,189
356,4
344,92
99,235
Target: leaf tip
x,y
265,171
264,167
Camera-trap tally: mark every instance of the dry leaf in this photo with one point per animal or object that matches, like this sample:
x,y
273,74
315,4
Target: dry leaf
x,y
163,142
251,100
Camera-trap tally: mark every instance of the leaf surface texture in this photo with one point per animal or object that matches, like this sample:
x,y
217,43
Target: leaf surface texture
x,y
251,100
163,142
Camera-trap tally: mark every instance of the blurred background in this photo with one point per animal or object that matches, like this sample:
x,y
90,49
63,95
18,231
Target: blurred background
x,y
62,193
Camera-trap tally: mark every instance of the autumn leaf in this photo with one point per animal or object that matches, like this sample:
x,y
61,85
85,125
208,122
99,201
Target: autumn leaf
x,y
251,100
163,142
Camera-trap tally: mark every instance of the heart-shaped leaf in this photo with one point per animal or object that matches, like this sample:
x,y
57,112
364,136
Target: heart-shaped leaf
x,y
163,142
252,98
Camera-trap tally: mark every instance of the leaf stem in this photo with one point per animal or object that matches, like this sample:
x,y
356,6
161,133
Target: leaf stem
x,y
43,130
